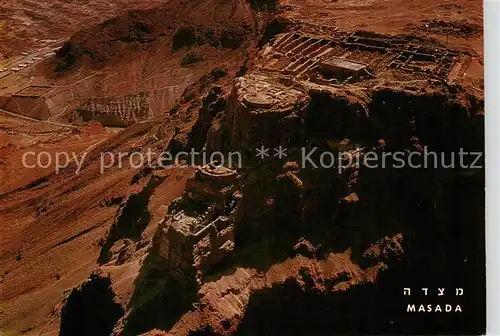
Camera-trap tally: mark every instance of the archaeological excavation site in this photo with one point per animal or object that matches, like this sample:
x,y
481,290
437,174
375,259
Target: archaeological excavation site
x,y
242,167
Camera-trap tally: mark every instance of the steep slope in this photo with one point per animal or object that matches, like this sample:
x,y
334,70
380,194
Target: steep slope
x,y
179,22
135,66
24,23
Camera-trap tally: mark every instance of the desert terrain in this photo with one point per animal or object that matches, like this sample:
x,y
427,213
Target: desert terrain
x,y
268,247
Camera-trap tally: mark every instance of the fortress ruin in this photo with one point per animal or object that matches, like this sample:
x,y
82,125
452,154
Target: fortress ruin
x,y
359,56
197,231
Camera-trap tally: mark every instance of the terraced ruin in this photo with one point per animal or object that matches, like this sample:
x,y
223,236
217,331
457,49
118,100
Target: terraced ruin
x,y
360,57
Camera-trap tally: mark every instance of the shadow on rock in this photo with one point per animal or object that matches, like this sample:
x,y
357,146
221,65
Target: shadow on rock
x,y
161,297
132,218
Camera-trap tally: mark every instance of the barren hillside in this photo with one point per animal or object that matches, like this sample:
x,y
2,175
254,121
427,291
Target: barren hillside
x,y
24,23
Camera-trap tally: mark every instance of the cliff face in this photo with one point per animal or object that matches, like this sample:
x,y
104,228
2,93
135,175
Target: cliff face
x,y
359,208
272,110
264,111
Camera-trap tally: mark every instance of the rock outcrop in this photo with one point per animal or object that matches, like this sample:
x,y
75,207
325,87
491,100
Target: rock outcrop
x,y
91,309
264,110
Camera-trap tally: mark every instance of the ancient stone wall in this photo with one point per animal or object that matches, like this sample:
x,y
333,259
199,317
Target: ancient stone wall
x,y
116,111
301,55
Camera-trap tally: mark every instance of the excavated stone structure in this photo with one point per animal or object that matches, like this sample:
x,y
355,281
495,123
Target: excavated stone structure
x,y
358,57
122,111
269,107
198,230
212,184
346,95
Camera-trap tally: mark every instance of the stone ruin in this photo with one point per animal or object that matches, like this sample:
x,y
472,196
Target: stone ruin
x,y
213,184
344,58
269,107
339,67
197,231
115,111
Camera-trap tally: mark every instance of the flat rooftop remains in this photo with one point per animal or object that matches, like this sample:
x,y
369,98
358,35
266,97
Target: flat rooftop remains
x,y
212,170
342,63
